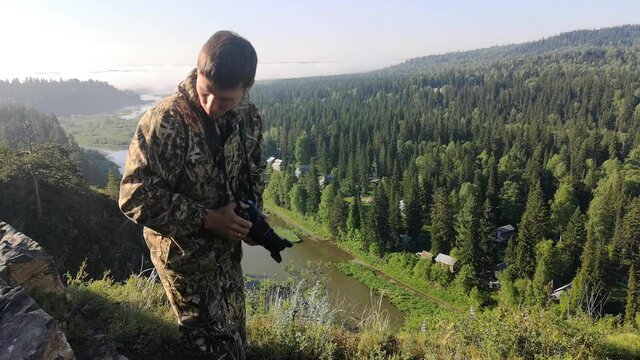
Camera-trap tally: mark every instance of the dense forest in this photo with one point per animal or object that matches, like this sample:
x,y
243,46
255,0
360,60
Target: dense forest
x,y
66,97
543,136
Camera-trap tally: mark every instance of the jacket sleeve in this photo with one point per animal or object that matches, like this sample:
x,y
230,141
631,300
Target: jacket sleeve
x,y
154,164
255,156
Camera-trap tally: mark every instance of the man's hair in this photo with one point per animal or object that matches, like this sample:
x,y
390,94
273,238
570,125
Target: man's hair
x,y
228,60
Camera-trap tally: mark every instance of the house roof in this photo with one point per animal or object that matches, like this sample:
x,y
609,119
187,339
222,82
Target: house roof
x,y
446,259
505,229
563,288
270,159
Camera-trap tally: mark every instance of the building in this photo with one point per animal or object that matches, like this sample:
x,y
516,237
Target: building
x,y
448,262
504,233
325,180
276,164
270,160
555,295
302,169
424,254
499,268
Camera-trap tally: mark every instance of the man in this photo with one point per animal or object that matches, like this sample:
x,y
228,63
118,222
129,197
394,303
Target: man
x,y
193,157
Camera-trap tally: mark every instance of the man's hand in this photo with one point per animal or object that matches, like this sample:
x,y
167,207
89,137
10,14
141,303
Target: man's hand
x,y
226,223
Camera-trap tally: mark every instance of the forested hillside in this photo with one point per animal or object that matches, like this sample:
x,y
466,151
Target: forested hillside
x,y
544,136
45,192
66,97
621,36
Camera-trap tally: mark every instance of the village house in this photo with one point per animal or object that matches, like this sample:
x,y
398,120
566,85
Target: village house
x,y
499,268
302,169
325,180
270,160
555,295
424,254
504,233
276,164
449,262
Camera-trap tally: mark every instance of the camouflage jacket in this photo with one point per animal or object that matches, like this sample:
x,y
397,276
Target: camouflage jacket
x,y
171,176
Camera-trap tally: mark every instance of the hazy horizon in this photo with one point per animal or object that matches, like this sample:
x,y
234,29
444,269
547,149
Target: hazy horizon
x,y
151,46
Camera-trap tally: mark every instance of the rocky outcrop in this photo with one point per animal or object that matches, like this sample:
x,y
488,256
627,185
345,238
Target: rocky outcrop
x,y
27,331
23,262
27,271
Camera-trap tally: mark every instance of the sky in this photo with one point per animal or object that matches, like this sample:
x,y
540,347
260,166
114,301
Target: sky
x,y
151,45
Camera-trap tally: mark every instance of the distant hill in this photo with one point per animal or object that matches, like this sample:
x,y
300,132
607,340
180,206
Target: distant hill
x,y
615,37
17,123
66,97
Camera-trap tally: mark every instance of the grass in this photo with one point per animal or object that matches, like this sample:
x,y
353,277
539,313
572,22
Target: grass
x,y
624,345
407,301
100,130
134,315
294,319
306,224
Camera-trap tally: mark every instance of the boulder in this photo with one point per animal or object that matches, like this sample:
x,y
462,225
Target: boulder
x,y
26,331
27,271
23,262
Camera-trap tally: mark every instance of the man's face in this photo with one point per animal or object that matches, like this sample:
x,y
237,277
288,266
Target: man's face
x,y
215,101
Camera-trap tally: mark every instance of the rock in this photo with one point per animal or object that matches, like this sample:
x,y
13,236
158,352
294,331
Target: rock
x,y
23,262
26,331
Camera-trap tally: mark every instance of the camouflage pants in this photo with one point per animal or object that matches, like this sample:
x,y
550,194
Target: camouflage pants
x,y
206,290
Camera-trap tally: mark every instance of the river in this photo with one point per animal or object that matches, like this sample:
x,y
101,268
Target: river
x,y
345,291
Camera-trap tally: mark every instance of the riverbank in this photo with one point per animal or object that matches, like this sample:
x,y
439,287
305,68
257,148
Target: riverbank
x,y
298,222
402,289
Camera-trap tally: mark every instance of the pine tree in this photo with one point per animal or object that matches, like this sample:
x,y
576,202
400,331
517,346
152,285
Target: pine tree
x,y
312,187
492,182
442,233
275,183
532,229
468,233
630,248
338,214
413,210
298,198
632,298
303,149
486,256
395,217
510,203
589,286
563,206
379,220
354,221
571,243
326,205
113,185
546,269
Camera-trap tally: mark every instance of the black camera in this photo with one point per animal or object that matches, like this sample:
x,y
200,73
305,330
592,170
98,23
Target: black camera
x,y
261,233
